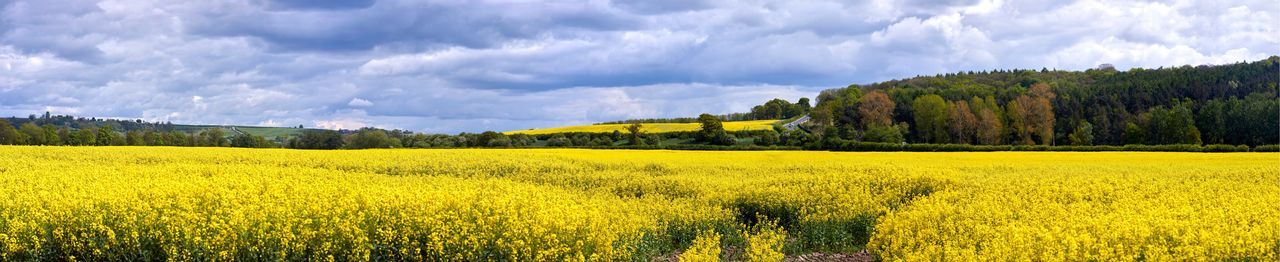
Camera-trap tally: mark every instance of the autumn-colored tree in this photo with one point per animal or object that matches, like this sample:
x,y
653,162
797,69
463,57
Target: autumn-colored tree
x,y
989,127
962,123
1039,112
876,109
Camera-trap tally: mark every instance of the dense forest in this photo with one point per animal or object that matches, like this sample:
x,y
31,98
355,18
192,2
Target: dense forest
x,y
1226,104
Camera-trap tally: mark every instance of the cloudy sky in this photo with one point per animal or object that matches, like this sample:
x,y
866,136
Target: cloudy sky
x,y
472,65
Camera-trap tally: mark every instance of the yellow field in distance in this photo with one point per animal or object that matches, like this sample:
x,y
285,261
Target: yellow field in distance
x,y
163,203
649,127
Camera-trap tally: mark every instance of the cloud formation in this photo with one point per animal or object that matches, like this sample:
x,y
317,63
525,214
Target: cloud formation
x,y
449,66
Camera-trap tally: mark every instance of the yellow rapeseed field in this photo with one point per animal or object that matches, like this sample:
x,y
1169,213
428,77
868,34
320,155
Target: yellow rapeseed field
x,y
650,127
158,203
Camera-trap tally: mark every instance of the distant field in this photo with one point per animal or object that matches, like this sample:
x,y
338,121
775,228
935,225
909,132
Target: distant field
x,y
649,127
264,131
271,132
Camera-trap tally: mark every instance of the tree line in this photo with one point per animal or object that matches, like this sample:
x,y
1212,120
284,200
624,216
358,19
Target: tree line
x,y
1228,104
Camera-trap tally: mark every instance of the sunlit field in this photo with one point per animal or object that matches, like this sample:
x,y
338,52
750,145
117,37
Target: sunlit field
x,y
147,203
650,127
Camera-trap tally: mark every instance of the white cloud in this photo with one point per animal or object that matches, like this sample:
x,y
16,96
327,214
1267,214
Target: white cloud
x,y
357,102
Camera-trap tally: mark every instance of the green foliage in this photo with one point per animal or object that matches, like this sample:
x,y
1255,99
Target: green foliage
x,y
34,134
885,134
107,136
317,139
930,118
635,133
8,134
768,139
251,141
1083,135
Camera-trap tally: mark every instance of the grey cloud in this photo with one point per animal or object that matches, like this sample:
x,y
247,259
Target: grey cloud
x,y
411,23
663,6
450,66
319,4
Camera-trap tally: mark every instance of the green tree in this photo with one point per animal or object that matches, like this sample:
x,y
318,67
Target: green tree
x,y
8,134
559,140
51,134
134,138
494,139
1134,134
634,133
251,141
151,138
106,136
213,137
769,138
64,135
1083,135
1212,121
33,133
712,129
372,138
886,134
930,113
86,137
317,139
1018,127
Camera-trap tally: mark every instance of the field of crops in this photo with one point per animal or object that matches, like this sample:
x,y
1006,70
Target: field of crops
x,y
148,203
650,127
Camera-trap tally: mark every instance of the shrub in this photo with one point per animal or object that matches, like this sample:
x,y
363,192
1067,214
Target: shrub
x,y
1225,148
1267,148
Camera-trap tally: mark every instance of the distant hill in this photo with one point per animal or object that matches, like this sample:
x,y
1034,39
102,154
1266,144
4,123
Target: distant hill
x,y
126,125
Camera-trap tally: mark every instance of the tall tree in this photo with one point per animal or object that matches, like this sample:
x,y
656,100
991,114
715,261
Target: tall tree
x,y
989,127
317,139
1083,135
876,109
961,122
712,128
8,134
106,135
213,137
1018,128
51,136
634,133
1039,112
930,114
33,133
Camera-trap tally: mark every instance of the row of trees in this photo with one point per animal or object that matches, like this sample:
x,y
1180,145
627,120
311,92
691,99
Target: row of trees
x,y
1229,104
29,133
